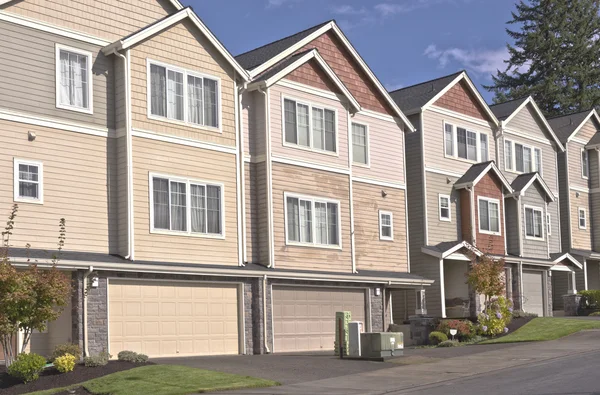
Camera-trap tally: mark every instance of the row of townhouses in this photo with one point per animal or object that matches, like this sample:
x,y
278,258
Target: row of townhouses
x,y
231,205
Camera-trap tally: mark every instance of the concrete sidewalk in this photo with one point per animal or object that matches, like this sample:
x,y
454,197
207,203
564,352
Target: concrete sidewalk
x,y
414,376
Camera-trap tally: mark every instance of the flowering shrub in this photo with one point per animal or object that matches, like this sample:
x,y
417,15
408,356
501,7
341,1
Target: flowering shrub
x,y
495,318
465,330
65,363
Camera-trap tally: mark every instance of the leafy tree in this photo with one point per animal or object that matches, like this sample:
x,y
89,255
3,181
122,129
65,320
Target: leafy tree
x,y
31,297
486,277
555,57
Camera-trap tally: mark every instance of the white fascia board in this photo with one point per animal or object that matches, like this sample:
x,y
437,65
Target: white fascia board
x,y
592,113
569,257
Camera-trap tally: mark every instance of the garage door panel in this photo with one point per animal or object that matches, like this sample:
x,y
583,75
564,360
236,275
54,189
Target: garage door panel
x,y
533,296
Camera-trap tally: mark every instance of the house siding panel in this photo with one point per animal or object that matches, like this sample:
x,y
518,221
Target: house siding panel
x,y
575,176
261,197
489,187
439,230
460,99
565,210
588,130
252,217
512,227
534,197
429,268
555,236
582,239
311,73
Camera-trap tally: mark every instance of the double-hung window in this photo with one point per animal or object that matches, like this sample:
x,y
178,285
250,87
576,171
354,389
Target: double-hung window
x,y
585,169
522,158
533,222
183,95
444,208
186,206
489,215
582,218
309,126
312,221
28,181
462,143
360,144
73,79
386,225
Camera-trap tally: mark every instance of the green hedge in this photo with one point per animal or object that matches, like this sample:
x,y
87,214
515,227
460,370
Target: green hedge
x,y
591,299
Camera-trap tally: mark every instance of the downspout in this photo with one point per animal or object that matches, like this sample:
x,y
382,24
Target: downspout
x,y
351,190
239,175
473,232
86,351
268,351
242,164
520,222
269,169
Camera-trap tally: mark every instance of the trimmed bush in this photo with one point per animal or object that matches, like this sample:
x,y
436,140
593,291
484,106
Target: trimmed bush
x,y
65,363
522,314
465,329
590,299
67,348
131,356
596,314
436,338
494,320
449,343
27,367
100,359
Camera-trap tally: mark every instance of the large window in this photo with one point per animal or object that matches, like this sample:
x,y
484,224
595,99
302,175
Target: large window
x,y
533,222
186,206
489,215
309,126
360,144
522,158
582,218
28,181
585,167
184,96
312,221
73,79
386,225
445,214
465,144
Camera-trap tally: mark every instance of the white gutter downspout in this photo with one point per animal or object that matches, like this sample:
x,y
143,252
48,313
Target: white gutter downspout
x,y
351,190
86,351
269,169
268,351
243,173
519,221
238,170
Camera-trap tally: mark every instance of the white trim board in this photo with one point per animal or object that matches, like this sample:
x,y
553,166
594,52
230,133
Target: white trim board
x,y
14,116
182,141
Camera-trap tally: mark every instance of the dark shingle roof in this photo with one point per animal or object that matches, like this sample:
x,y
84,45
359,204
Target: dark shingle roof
x,y
254,58
473,172
595,140
416,96
505,110
281,65
565,125
521,181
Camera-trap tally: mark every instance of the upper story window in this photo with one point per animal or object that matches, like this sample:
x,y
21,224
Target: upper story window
x,y
183,95
28,181
585,165
522,158
186,206
360,144
386,225
445,214
489,215
309,126
312,221
73,79
582,218
533,222
465,144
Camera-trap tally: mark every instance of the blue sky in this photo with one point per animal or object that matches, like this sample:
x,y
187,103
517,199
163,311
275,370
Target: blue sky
x,y
403,41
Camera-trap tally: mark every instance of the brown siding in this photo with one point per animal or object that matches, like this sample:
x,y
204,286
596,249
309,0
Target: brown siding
x,y
460,99
371,252
465,212
311,74
489,187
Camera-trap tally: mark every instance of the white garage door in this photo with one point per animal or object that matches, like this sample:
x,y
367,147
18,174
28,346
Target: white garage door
x,y
533,292
167,319
304,318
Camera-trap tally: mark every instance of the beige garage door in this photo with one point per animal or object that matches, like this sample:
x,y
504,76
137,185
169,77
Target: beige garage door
x,y
533,292
304,318
167,319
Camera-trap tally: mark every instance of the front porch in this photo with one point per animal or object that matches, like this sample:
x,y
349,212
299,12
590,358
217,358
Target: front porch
x,y
457,297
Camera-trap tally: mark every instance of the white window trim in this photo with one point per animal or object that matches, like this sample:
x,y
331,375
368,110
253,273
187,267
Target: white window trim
x,y
579,211
489,200
581,163
312,199
548,224
310,126
534,208
58,48
381,236
455,142
187,181
440,197
368,164
514,156
185,73
16,197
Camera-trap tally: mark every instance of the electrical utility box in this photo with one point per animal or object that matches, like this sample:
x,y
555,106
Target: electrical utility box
x,y
381,345
354,331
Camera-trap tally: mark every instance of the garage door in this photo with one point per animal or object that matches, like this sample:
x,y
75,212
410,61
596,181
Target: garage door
x,y
533,292
166,319
304,318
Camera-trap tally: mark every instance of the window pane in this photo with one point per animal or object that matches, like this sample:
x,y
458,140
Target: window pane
x,y
321,223
198,213
359,143
449,139
161,203
332,221
73,85
158,90
494,217
538,160
538,223
303,125
330,131
484,222
444,208
195,100
318,128
290,121
529,222
461,139
519,158
213,209
178,206
483,143
527,160
386,225
293,219
28,181
584,163
471,146
508,157
175,95
211,102
305,221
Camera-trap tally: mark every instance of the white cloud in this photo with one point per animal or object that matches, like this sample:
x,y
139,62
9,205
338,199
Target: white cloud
x,y
346,9
485,61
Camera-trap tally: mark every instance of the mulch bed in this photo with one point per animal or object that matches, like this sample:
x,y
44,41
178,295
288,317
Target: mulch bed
x,y
51,378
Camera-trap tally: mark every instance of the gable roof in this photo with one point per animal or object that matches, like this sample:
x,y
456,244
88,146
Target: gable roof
x,y
290,64
559,257
507,110
446,248
168,21
176,3
263,58
567,126
524,181
476,173
594,141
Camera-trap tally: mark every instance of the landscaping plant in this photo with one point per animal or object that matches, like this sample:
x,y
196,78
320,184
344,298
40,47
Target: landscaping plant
x,y
131,356
590,299
494,319
449,343
465,329
100,359
486,277
436,338
27,367
65,363
66,348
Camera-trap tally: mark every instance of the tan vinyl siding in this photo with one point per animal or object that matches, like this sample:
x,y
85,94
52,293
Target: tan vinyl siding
x,y
28,76
108,19
299,180
575,169
122,199
439,230
261,197
185,47
339,159
371,252
581,237
252,217
555,236
528,122
386,150
75,187
429,268
534,248
150,156
588,130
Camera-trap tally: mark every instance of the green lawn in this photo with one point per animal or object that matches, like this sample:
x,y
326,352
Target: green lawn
x,y
166,380
546,328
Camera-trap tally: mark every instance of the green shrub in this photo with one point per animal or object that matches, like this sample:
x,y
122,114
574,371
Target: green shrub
x,y
595,314
590,299
27,367
67,348
436,338
494,320
449,343
131,356
65,363
465,329
100,359
522,314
